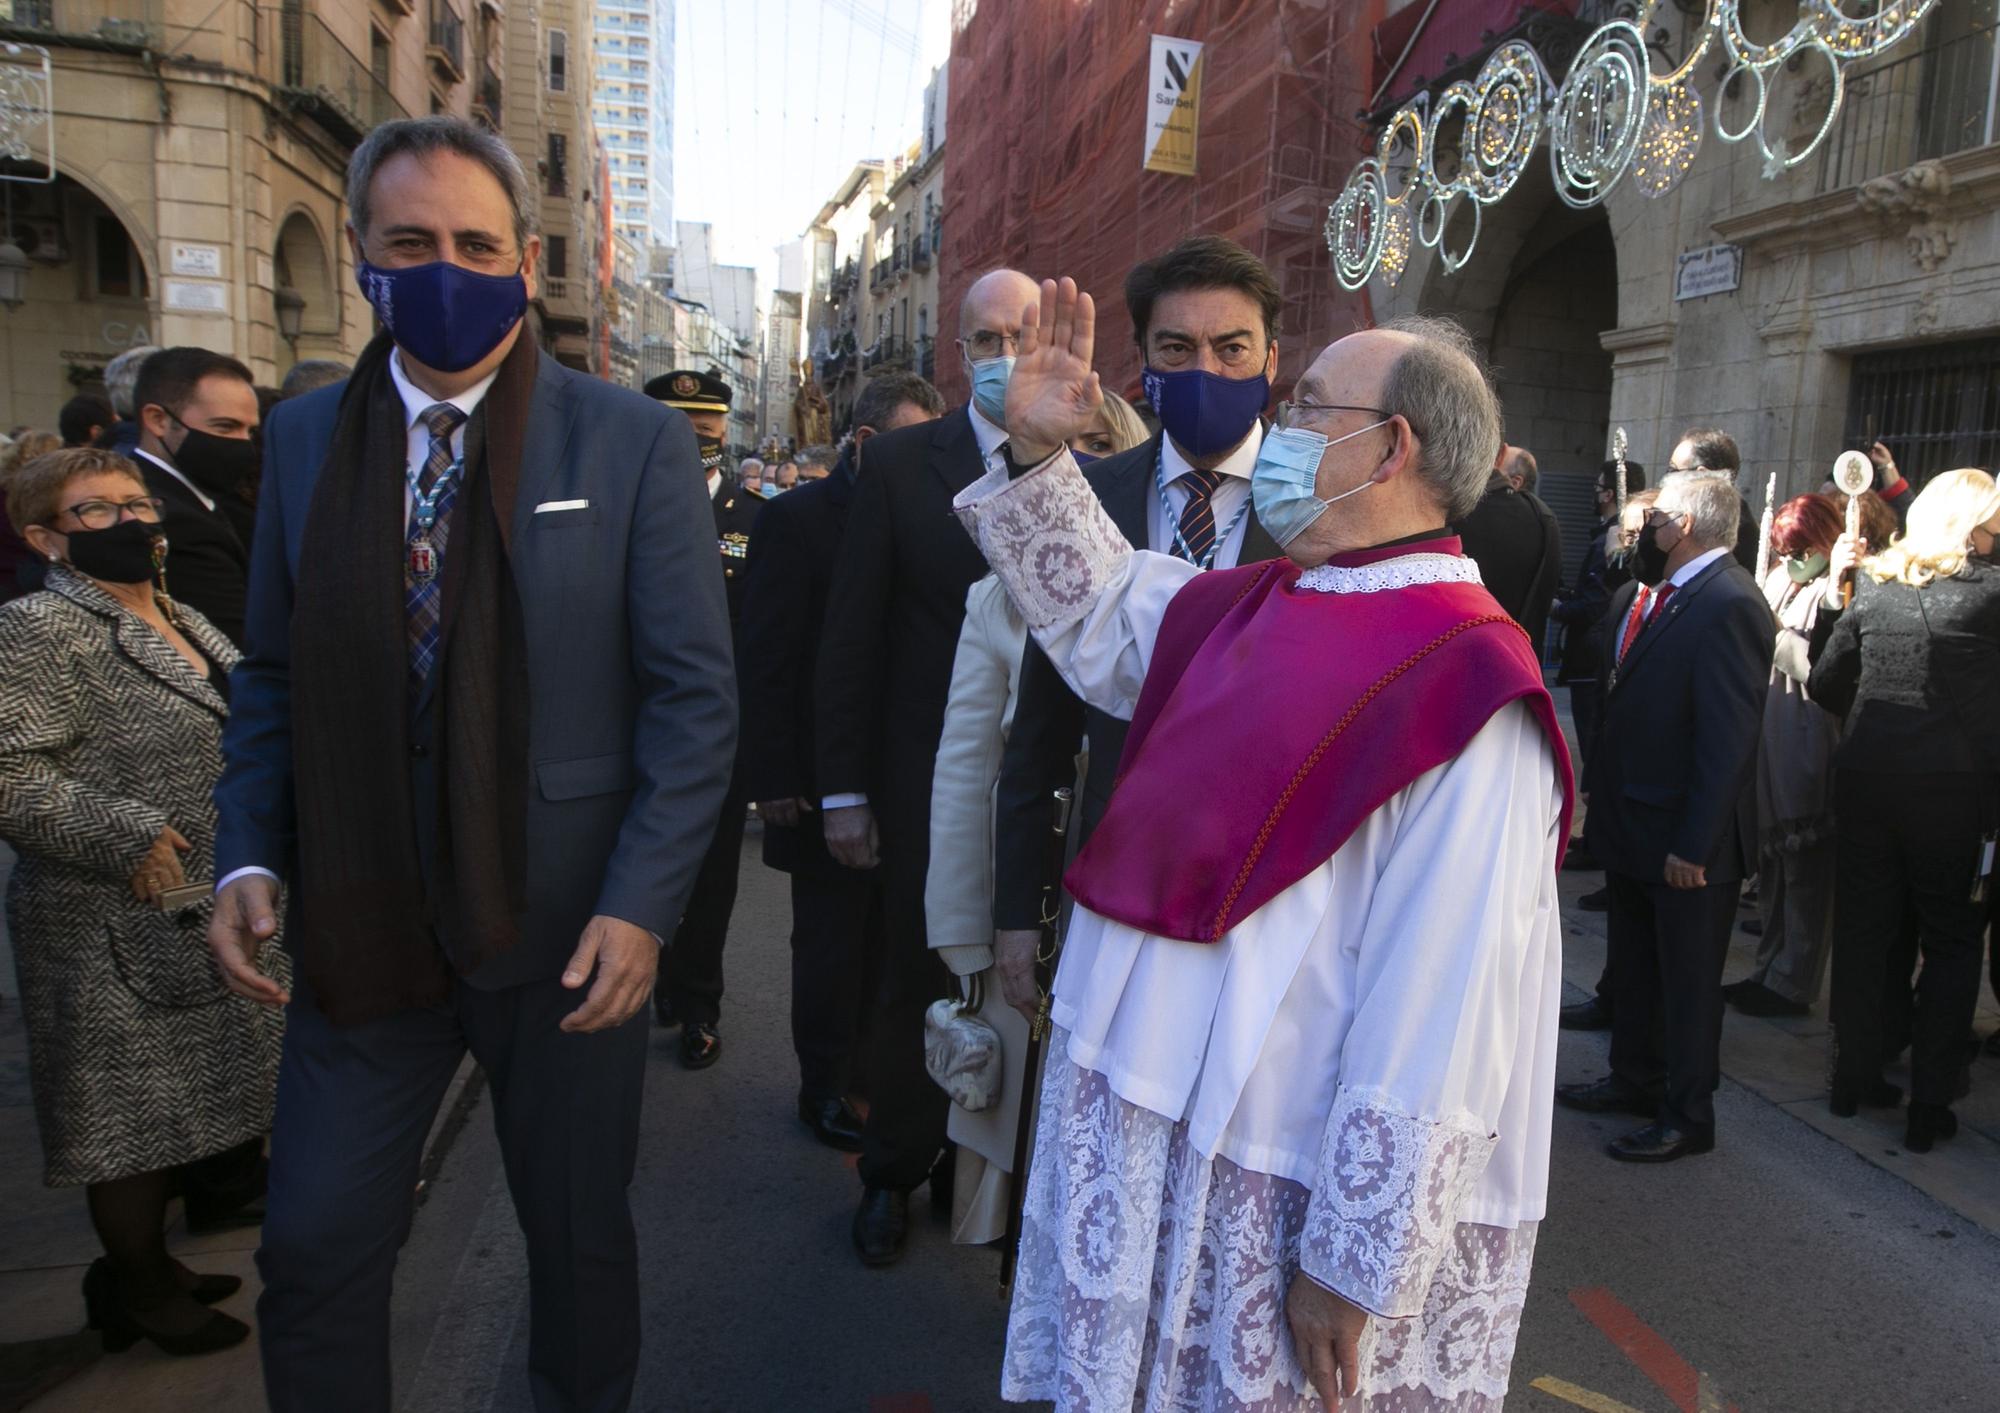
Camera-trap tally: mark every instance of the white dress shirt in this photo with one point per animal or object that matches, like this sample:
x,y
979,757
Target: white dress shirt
x,y
415,401
1228,501
175,472
1643,601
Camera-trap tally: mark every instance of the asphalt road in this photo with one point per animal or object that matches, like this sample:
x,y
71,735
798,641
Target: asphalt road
x,y
1782,1272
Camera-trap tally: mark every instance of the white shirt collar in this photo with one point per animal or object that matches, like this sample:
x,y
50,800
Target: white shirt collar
x,y
714,483
1695,566
175,472
415,399
988,434
1238,463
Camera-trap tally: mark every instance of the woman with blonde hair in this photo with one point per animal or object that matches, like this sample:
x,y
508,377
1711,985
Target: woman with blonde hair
x,y
1117,428
1913,664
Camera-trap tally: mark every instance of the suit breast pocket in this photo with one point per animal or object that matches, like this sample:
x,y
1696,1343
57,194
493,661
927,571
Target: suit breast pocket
x,y
568,518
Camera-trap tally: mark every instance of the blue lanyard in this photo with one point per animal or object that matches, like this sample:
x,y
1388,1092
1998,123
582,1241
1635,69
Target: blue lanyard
x,y
423,508
1174,521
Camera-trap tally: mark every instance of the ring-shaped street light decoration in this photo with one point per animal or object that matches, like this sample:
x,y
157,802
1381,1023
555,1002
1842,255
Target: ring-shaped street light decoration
x,y
1458,101
1354,225
1506,124
1454,263
1670,141
1595,124
1406,121
1395,252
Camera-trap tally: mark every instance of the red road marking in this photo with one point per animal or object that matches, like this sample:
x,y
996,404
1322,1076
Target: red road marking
x,y
1655,1358
900,1403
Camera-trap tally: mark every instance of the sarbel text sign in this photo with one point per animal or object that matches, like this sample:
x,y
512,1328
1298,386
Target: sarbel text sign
x,y
1714,269
1173,105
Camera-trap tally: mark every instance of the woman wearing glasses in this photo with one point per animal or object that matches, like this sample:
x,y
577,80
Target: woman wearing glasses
x,y
112,703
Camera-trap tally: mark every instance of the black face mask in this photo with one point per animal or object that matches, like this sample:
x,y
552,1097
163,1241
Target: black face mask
x,y
130,552
221,466
711,455
1649,561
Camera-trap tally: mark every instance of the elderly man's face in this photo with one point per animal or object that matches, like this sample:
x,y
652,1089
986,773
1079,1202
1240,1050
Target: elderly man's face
x,y
989,322
710,426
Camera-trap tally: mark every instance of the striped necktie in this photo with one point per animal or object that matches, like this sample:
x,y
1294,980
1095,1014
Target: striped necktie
x,y
1197,527
423,594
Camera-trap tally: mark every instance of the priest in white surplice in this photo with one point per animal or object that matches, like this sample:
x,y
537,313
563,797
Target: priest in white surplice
x,y
1295,1124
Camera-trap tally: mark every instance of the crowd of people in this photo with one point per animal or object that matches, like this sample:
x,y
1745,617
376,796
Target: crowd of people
x,y
401,712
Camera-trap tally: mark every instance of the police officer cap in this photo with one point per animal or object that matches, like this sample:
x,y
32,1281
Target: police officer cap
x,y
690,391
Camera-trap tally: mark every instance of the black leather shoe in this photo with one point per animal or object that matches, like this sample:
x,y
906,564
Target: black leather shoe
x,y
881,1225
1848,1095
1927,1124
1580,860
1659,1143
1585,1015
179,1326
1598,902
1757,999
1606,1096
1753,926
700,1045
832,1121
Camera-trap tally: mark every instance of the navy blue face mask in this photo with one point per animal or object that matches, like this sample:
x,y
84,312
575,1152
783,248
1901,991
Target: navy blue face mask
x,y
1205,413
443,315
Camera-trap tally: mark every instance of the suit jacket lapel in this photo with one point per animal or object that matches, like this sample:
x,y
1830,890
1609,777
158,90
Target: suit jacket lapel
x,y
1258,545
543,447
139,644
1126,490
955,458
1653,632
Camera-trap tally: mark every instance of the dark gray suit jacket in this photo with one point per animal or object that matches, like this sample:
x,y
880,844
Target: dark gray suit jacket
x,y
1682,714
632,717
1050,721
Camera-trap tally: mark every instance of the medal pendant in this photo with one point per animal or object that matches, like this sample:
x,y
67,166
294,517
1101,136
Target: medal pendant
x,y
423,560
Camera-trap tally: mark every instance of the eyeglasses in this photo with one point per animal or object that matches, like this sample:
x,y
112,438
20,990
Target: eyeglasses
x,y
1287,415
984,343
103,514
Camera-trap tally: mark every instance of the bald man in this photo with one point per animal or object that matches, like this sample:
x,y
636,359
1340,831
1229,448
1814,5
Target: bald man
x,y
884,670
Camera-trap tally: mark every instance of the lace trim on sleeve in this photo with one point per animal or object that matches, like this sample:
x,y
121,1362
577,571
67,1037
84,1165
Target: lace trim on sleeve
x,y
1390,1187
1046,536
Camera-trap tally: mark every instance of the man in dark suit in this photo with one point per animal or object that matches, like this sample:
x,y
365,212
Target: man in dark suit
x,y
1207,307
836,911
689,990
1684,705
884,672
1515,541
488,777
197,417
1713,451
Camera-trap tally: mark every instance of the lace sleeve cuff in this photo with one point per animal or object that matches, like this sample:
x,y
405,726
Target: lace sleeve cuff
x,y
1386,1202
1046,536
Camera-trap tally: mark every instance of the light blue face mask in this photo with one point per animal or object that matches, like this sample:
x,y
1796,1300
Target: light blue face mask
x,y
1283,482
989,387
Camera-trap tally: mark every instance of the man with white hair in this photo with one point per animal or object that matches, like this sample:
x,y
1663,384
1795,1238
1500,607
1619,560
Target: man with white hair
x,y
1302,1058
1684,703
121,381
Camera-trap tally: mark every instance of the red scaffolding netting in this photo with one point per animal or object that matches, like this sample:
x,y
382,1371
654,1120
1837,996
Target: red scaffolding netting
x,y
1044,160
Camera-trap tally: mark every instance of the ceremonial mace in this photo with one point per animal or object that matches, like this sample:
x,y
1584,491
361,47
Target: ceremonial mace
x,y
1854,473
1618,455
1764,539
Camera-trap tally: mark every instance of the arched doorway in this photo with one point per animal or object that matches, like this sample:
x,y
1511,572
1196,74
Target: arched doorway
x,y
87,298
301,263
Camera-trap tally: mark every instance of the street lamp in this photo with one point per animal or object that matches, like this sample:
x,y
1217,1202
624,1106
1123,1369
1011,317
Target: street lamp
x,y
291,314
13,276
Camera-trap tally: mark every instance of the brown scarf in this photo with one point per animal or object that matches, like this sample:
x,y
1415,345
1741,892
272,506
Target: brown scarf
x,y
366,921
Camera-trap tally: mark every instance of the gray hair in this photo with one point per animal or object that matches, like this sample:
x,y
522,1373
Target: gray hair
x,y
420,137
1441,387
121,377
310,374
821,456
1710,502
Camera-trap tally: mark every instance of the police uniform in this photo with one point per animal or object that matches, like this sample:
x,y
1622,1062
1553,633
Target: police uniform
x,y
689,990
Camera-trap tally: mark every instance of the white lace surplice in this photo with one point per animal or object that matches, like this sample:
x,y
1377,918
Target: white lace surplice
x,y
1354,1081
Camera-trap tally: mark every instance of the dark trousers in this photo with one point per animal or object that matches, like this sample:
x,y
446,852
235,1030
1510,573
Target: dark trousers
x,y
1586,711
354,1107
905,1131
691,972
836,953
1907,843
1668,946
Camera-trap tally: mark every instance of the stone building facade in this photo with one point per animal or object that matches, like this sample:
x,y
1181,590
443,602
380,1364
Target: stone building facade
x,y
199,166
1867,302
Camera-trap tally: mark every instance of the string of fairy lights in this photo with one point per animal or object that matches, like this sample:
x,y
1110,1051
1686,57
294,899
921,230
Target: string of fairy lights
x,y
1611,118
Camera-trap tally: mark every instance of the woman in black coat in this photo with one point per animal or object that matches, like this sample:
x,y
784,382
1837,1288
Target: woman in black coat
x,y
1913,663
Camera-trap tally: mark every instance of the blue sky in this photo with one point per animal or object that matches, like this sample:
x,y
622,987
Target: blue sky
x,y
775,100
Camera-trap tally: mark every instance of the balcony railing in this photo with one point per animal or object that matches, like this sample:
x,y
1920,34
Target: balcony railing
x,y
486,95
323,77
1932,103
927,357
445,44
920,258
135,22
555,287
